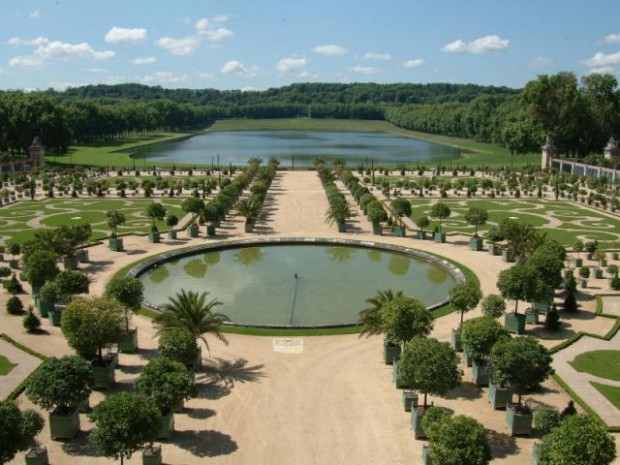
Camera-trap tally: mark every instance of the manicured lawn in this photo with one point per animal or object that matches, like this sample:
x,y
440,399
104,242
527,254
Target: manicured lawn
x,y
601,363
55,212
563,221
611,393
5,365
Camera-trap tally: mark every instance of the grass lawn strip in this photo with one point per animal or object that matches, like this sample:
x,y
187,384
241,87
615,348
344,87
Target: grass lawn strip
x,y
611,393
601,363
5,365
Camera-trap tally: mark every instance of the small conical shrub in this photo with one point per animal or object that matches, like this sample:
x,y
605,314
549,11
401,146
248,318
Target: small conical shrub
x,y
552,322
570,302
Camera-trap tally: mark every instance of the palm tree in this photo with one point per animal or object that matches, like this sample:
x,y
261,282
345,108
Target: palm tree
x,y
190,311
370,318
338,212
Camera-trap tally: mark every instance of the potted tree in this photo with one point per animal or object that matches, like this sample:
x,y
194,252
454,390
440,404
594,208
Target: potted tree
x,y
156,212
14,249
372,324
40,267
479,335
464,296
584,274
91,325
339,211
19,429
476,217
48,296
124,424
128,292
578,247
494,236
493,305
521,363
193,206
422,222
440,211
422,359
115,219
171,222
402,207
60,385
590,247
180,345
376,214
168,383
520,282
249,208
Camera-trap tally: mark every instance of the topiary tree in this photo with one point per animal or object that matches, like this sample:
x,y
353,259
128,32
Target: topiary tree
x,y
402,207
90,325
549,264
552,321
578,247
440,211
127,291
371,318
124,423
459,440
13,286
172,221
403,318
422,222
546,419
480,334
31,322
521,362
519,282
156,212
70,283
167,382
429,366
578,440
178,344
17,429
115,219
40,267
476,217
493,306
14,306
464,296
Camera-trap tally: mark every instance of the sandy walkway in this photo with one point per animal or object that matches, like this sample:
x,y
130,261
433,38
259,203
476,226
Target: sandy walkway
x,y
331,403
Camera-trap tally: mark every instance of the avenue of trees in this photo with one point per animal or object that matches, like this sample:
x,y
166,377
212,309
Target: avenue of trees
x,y
580,115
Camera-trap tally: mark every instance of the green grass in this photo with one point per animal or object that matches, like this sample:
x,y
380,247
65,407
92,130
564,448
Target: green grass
x,y
611,393
601,363
5,365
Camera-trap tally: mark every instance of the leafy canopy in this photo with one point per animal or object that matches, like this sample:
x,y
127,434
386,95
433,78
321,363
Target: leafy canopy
x,y
17,429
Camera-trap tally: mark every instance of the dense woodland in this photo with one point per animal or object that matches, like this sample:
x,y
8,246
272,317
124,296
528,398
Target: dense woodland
x,y
579,115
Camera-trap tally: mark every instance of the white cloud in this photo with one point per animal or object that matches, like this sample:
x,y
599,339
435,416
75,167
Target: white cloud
x,y
365,69
202,24
249,89
220,18
377,56
29,62
36,41
143,61
183,46
602,70
486,44
164,76
35,14
612,39
65,51
539,62
601,60
216,34
286,65
204,75
413,63
121,35
330,50
236,67
94,70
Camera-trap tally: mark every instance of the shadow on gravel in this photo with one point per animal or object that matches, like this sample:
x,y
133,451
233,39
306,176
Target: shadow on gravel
x,y
204,443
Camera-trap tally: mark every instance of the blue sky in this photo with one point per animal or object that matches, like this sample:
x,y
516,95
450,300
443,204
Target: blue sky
x,y
257,44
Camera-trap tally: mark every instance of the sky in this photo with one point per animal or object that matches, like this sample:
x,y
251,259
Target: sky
x,y
258,44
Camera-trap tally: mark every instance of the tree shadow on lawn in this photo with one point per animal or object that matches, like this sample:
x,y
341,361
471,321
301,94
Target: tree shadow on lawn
x,y
80,445
502,444
205,443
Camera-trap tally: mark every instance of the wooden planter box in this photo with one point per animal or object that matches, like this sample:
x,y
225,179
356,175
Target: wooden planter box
x,y
390,353
70,263
154,237
493,249
440,237
421,235
536,453
167,426
44,307
508,256
577,262
192,230
499,397
475,243
426,458
116,244
172,234
531,317
481,372
151,455
467,358
377,229
399,231
518,422
614,255
14,264
37,456
515,322
84,405
82,256
456,340
64,426
395,379
103,375
129,341
249,227
597,273
55,317
410,400
416,422
342,226
542,307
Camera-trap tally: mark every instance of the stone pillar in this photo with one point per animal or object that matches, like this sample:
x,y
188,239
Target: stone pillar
x,y
611,149
548,153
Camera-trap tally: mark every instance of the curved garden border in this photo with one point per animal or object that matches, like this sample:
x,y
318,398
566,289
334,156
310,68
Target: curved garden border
x,y
151,262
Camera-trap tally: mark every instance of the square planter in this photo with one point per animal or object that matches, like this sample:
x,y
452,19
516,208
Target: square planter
x,y
614,255
377,229
410,400
515,322
84,405
456,340
14,264
597,273
584,283
154,237
44,307
421,235
82,256
493,249
531,317
578,262
475,243
151,455
391,353
508,256
70,263
129,341
172,234
116,244
64,426
103,375
167,426
499,397
416,422
211,230
397,382
426,458
342,226
518,422
536,453
467,358
55,317
440,237
542,307
248,227
37,456
192,230
481,372
399,231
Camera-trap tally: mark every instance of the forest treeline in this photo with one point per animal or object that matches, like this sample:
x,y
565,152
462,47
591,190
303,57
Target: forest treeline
x,y
581,115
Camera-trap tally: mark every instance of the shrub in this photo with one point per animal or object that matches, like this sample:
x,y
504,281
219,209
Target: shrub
x,y
13,286
546,419
570,302
31,322
493,305
14,306
5,272
552,321
615,282
584,272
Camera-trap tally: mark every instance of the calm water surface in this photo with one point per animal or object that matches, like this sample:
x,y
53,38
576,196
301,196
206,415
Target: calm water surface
x,y
298,147
257,285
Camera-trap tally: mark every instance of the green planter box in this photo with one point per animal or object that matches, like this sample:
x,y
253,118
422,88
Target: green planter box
x,y
410,400
377,229
37,456
518,422
211,230
536,453
440,237
44,307
249,227
342,226
515,323
531,317
584,283
456,340
55,317
597,273
508,256
172,234
112,359
542,307
82,256
467,358
198,359
116,244
481,372
64,426
84,405
129,341
192,230
426,457
154,237
475,243
70,263
499,397
103,375
390,353
421,235
151,456
494,249
399,231
578,262
614,255
167,426
397,382
416,422
14,264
